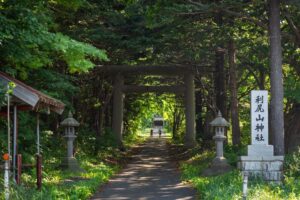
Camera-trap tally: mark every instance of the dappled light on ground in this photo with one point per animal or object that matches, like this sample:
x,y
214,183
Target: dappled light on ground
x,y
150,175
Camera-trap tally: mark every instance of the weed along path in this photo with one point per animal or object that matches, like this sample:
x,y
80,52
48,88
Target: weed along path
x,y
150,175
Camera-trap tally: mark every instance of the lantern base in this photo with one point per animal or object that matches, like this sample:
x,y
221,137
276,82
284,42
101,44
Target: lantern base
x,y
218,166
71,164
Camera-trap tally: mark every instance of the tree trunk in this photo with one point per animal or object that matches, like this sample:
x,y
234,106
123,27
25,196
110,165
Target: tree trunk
x,y
108,115
262,77
174,130
277,122
199,119
220,76
177,122
292,129
235,123
208,132
99,128
220,83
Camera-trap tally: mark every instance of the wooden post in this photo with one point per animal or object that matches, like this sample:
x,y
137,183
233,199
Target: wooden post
x,y
38,133
6,179
19,169
189,110
117,123
8,123
15,142
39,171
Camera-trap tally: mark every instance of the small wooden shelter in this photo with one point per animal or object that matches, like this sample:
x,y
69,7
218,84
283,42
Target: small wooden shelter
x,y
24,97
29,98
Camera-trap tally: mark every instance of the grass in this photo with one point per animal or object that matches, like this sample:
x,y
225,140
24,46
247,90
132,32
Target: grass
x,y
59,184
229,185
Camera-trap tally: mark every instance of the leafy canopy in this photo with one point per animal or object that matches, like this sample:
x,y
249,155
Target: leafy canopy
x,y
28,40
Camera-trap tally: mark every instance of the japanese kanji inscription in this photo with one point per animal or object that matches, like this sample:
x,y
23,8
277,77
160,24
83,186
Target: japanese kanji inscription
x,y
259,117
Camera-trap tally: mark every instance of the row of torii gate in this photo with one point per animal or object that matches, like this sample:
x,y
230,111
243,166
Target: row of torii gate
x,y
187,72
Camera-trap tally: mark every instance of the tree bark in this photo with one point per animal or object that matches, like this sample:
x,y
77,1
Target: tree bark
x,y
220,73
190,115
220,83
176,121
118,109
108,115
99,128
293,27
199,119
262,78
292,129
235,122
277,121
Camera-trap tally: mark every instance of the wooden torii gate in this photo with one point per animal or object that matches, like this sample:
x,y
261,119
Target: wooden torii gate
x,y
187,89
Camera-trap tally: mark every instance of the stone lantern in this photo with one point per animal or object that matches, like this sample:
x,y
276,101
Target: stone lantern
x,y
70,161
219,164
219,123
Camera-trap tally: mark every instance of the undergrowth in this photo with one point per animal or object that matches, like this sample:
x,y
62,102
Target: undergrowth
x,y
229,186
63,185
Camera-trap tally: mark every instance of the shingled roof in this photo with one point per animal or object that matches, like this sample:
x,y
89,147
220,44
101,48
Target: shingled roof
x,y
28,96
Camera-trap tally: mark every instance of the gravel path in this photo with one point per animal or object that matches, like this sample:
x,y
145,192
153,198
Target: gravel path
x,y
150,175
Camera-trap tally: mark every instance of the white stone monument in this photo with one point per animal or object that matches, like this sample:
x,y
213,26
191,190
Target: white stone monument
x,y
261,161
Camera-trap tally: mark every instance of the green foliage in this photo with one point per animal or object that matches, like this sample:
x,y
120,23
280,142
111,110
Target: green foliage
x,y
220,187
141,110
292,88
229,185
42,41
55,186
62,87
58,184
74,53
232,153
4,90
292,164
87,138
27,41
68,5
132,139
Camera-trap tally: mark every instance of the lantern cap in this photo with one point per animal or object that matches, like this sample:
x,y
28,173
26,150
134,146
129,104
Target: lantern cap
x,y
219,121
70,121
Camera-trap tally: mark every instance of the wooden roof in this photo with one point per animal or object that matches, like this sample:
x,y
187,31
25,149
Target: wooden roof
x,y
28,96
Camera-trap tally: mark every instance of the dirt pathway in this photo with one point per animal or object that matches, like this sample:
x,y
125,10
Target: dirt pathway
x,y
150,175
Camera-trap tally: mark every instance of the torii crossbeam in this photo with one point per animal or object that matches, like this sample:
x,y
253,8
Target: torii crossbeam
x,y
119,89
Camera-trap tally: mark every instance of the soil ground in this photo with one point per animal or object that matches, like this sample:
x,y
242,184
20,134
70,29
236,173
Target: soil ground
x,y
151,174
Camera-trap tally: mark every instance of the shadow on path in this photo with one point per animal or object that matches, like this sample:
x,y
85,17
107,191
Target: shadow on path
x,y
150,175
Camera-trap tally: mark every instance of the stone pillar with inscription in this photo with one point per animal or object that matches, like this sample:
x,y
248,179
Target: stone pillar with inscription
x,y
261,161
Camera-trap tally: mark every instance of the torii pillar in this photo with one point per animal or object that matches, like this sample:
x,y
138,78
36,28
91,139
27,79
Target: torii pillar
x,y
118,104
189,101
